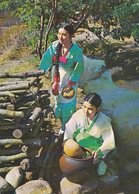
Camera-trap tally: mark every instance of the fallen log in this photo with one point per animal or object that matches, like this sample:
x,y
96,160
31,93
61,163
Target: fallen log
x,y
4,99
20,133
26,124
25,164
23,75
10,151
22,108
5,134
32,81
41,92
4,121
36,114
7,93
27,98
4,105
39,124
21,86
10,107
19,92
5,170
11,114
28,148
20,142
11,83
5,159
44,101
28,112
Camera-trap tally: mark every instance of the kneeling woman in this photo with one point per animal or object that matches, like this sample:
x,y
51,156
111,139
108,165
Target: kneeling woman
x,y
92,129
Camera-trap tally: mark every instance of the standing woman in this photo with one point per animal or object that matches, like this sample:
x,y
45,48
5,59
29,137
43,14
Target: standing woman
x,y
66,59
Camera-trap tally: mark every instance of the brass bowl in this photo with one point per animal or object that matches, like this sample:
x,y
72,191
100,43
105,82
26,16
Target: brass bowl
x,y
68,94
77,170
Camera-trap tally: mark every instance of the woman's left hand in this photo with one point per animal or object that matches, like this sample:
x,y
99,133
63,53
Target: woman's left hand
x,y
96,157
67,88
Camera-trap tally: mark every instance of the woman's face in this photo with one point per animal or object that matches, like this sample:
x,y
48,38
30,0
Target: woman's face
x,y
64,37
90,110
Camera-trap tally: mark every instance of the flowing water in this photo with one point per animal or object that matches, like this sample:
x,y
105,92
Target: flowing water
x,y
121,103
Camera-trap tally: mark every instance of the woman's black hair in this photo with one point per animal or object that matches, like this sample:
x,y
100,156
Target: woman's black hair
x,y
56,63
94,99
68,27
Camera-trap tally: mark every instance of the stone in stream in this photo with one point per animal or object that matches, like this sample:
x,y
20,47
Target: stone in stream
x,y
34,187
5,187
67,186
15,177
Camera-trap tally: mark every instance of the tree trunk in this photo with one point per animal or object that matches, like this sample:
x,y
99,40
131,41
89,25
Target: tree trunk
x,y
39,47
50,23
81,21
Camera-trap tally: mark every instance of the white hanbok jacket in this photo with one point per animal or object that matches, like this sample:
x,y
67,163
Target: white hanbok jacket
x,y
102,127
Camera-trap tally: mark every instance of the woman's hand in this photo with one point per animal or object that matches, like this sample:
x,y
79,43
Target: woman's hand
x,y
67,88
96,157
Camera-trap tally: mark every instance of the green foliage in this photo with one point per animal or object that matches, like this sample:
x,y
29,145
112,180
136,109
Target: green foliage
x,y
31,37
52,36
117,18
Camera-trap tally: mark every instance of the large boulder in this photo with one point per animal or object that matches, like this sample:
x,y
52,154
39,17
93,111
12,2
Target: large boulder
x,y
5,187
69,187
34,187
15,177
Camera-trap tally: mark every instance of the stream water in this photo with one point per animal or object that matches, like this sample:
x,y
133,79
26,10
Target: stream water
x,y
122,105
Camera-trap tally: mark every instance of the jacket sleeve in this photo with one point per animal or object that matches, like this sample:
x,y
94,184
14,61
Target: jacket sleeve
x,y
108,140
46,62
79,67
71,127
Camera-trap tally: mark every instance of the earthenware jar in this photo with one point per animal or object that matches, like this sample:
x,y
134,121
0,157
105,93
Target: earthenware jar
x,y
77,170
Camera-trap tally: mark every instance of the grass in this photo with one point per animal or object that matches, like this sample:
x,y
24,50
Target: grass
x,y
22,67
15,54
11,33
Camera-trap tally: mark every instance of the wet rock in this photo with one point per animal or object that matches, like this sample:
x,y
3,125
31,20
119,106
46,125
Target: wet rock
x,y
69,187
14,177
34,187
108,182
5,187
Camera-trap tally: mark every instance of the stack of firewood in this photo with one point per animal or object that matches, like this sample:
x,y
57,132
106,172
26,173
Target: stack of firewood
x,y
24,107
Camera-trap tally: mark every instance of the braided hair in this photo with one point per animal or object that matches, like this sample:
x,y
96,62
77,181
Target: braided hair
x,y
56,63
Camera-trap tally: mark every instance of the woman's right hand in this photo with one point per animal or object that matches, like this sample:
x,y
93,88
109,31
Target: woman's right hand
x,y
67,88
96,157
